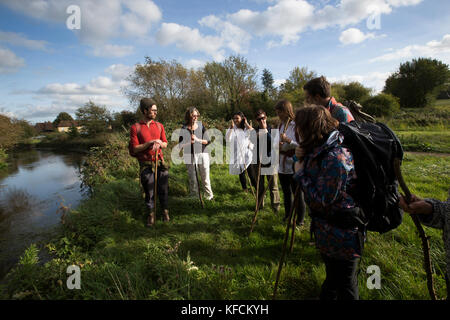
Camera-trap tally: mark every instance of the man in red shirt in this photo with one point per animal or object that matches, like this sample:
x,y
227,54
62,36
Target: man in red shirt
x,y
147,139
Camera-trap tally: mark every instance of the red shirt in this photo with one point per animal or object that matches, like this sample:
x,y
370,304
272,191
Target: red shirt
x,y
154,130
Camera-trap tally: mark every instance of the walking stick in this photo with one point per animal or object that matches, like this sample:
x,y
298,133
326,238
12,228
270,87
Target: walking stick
x,y
259,205
198,184
258,199
425,239
286,236
156,179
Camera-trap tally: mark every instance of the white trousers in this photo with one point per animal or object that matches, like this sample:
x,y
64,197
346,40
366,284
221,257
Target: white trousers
x,y
202,162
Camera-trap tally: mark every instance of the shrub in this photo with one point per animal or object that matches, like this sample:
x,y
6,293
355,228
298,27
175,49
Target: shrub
x,y
381,105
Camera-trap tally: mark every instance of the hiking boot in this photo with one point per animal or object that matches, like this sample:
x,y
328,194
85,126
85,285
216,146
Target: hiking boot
x,y
166,217
151,219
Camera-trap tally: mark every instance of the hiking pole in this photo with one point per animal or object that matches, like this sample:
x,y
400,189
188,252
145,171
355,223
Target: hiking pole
x,y
425,239
156,179
283,251
294,219
258,199
198,184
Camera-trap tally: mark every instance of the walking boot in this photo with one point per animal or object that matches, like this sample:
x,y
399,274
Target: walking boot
x,y
166,217
151,219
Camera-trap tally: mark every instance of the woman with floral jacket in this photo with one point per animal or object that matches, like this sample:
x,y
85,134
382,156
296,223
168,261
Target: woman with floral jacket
x,y
326,174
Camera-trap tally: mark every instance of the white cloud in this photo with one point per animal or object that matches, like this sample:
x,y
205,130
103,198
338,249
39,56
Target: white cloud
x,y
353,36
232,36
374,80
433,49
190,40
287,19
195,64
21,40
57,97
278,82
9,62
112,50
101,20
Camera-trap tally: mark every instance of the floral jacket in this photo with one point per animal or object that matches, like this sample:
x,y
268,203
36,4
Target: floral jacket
x,y
327,179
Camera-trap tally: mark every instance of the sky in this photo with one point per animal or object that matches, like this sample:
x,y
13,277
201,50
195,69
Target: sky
x,y
56,55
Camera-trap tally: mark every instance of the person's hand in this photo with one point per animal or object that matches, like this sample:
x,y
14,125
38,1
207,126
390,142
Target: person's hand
x,y
284,138
231,124
263,123
416,206
195,139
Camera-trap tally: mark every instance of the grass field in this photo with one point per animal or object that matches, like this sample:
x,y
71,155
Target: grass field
x,y
207,253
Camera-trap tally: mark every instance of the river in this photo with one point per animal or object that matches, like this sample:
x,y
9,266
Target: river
x,y
32,190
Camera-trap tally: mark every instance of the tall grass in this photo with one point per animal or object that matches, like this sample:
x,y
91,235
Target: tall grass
x,y
207,253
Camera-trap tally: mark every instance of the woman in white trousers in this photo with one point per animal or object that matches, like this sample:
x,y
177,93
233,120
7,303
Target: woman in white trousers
x,y
195,157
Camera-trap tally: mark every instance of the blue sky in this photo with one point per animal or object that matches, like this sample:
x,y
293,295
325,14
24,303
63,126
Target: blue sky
x,y
45,68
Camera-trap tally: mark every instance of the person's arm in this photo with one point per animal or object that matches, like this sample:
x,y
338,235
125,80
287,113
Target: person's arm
x,y
431,212
206,139
134,140
289,142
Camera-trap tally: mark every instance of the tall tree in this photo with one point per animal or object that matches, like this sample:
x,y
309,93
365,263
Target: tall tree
x,y
62,116
95,119
267,81
292,88
356,91
417,82
167,82
231,82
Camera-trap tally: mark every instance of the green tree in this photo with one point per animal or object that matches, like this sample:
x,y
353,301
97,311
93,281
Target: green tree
x,y
95,119
356,91
73,132
169,83
418,82
62,116
124,118
10,133
230,82
292,88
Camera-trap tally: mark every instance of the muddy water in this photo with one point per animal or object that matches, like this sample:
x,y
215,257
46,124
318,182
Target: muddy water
x,y
32,190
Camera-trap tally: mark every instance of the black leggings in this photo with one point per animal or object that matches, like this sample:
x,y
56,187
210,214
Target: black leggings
x,y
289,185
341,282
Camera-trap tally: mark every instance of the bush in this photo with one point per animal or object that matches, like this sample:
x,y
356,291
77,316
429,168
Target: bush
x,y
3,157
381,105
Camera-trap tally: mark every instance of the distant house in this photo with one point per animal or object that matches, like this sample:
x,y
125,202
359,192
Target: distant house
x,y
44,127
65,125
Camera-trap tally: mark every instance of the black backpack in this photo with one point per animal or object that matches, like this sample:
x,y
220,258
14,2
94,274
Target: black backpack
x,y
374,147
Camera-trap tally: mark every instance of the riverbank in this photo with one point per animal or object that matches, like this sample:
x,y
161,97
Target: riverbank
x,y
34,188
207,253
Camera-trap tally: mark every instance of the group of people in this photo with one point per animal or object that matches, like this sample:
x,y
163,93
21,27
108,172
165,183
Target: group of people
x,y
312,160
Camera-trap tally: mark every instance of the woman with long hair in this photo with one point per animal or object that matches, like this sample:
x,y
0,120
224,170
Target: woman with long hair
x,y
288,143
326,173
240,148
195,157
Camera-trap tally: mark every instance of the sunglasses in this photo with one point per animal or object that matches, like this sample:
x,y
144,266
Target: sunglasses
x,y
260,119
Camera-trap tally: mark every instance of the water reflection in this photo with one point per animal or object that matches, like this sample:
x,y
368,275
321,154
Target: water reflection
x,y
38,183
